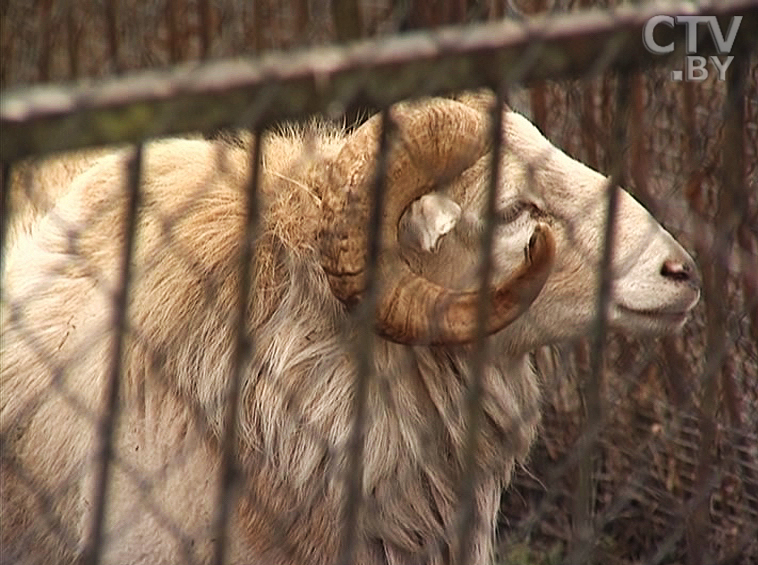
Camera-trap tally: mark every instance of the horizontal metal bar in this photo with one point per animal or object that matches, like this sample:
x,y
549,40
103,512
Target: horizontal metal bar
x,y
374,73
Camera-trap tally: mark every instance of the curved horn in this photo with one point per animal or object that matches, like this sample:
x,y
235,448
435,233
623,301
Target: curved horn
x,y
415,310
433,143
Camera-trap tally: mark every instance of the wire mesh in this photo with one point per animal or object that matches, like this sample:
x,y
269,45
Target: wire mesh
x,y
646,452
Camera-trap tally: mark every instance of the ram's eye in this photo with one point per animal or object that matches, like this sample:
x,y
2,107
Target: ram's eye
x,y
513,211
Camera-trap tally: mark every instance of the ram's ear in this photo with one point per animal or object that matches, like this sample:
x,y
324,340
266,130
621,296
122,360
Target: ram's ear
x,y
428,219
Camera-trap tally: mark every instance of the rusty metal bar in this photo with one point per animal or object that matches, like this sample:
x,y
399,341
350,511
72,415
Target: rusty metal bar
x,y
5,211
111,29
205,27
735,181
372,73
593,386
732,201
73,40
107,417
45,8
348,19
364,348
243,350
480,351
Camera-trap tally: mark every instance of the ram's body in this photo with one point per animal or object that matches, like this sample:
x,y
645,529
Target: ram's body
x,y
297,389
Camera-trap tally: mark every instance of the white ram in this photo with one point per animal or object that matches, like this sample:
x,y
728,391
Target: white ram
x,y
296,396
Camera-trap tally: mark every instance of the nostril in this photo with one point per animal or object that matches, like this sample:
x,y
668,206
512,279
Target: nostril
x,y
678,270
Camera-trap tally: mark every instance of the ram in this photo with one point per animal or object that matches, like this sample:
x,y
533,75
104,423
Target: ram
x,y
297,387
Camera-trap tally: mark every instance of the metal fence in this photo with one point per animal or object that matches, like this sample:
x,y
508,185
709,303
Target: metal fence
x,y
648,451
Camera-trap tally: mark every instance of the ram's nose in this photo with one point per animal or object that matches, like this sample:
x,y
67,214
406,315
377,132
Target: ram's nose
x,y
681,270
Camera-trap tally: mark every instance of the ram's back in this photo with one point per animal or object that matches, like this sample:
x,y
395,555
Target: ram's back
x,y
62,272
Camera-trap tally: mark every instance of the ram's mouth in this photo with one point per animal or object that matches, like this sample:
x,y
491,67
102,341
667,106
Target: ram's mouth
x,y
668,317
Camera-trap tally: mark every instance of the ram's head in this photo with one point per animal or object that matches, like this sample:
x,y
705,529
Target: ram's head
x,y
548,239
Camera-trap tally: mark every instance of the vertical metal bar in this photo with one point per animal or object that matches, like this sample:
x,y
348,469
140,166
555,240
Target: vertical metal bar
x,y
741,85
243,349
364,349
301,17
348,21
640,158
538,101
172,25
254,26
735,203
732,201
5,211
205,24
538,93
588,132
46,51
111,27
73,37
591,388
105,424
479,354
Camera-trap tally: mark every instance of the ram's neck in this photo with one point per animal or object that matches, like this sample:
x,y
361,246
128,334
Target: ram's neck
x,y
299,406
420,404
